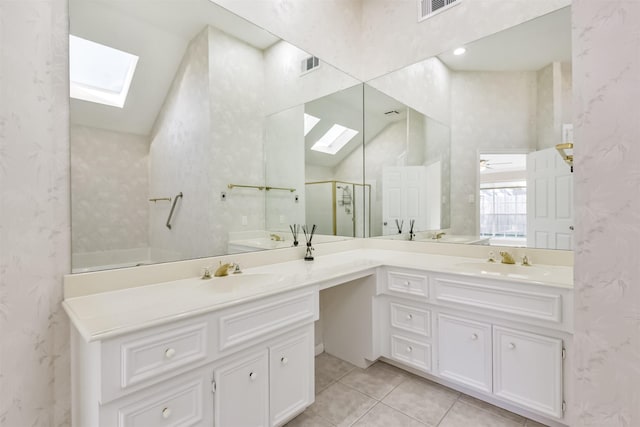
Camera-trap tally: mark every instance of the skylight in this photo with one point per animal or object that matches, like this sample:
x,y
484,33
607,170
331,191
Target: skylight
x,y
335,138
309,123
99,73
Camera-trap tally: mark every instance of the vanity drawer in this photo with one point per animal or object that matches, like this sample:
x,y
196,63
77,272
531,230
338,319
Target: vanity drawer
x,y
412,284
150,356
494,299
182,402
257,321
410,319
411,352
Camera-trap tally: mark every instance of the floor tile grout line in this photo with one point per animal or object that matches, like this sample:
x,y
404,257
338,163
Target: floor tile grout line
x,y
368,410
449,410
490,412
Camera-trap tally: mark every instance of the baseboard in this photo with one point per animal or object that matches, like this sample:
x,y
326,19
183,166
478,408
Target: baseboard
x,y
319,348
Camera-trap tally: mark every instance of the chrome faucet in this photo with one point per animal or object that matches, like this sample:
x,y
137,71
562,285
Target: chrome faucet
x,y
223,269
507,258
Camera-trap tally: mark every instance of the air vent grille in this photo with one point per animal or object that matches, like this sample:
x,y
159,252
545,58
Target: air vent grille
x,y
431,7
309,64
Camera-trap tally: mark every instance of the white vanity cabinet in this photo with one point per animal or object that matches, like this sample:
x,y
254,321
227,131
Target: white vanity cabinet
x,y
242,391
527,370
464,352
249,364
268,387
499,339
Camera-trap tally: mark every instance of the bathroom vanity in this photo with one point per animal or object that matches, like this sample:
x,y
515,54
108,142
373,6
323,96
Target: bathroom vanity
x,y
239,350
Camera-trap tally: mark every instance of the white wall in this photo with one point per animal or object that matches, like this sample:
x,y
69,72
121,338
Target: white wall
x,y
284,163
209,135
179,160
35,227
330,29
424,86
489,110
286,87
110,204
392,37
606,70
35,231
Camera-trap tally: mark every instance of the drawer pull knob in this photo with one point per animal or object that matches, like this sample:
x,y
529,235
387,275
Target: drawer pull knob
x,y
409,349
407,283
409,316
169,353
284,360
474,337
253,376
166,413
511,346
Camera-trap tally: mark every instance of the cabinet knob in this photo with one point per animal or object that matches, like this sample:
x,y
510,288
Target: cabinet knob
x,y
511,346
409,349
253,376
169,353
474,336
284,360
409,316
166,413
407,283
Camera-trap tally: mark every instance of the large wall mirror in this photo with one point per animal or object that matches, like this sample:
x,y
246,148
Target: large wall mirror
x,y
472,157
216,136
195,145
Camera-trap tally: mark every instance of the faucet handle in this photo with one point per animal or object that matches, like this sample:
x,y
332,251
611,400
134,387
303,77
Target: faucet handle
x,y
206,273
492,257
525,261
236,268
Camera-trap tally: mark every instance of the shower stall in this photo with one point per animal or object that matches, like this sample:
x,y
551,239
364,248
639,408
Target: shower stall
x,y
339,208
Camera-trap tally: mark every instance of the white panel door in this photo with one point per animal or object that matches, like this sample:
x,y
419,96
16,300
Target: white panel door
x,y
391,199
549,201
464,352
528,370
404,198
242,392
291,376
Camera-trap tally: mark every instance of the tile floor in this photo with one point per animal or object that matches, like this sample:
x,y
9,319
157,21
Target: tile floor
x,y
384,395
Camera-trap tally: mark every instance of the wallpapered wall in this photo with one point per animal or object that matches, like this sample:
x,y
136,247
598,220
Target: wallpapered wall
x,y
606,70
110,207
35,234
34,213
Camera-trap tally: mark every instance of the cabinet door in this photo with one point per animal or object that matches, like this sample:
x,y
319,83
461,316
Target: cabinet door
x,y
291,377
242,392
464,352
528,370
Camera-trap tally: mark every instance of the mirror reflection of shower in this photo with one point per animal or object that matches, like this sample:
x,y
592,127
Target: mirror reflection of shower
x,y
335,206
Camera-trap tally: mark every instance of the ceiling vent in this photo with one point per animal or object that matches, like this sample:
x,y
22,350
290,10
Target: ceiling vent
x,y
431,7
309,64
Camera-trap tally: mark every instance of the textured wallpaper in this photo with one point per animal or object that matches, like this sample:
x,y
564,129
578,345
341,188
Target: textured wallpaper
x,y
424,86
489,111
34,214
179,161
34,209
110,204
606,67
284,164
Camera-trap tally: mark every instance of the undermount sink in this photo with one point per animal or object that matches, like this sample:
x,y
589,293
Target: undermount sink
x,y
234,282
507,270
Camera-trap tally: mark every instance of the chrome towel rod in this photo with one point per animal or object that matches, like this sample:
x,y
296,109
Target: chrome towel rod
x,y
178,196
160,199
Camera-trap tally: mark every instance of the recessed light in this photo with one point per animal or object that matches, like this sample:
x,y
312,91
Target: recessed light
x,y
459,51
